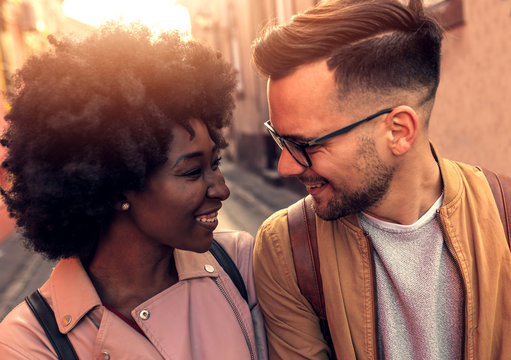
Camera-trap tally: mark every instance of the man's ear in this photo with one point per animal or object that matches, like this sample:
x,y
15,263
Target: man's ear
x,y
402,129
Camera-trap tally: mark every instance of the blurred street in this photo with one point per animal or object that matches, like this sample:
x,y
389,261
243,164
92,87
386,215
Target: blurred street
x,y
252,200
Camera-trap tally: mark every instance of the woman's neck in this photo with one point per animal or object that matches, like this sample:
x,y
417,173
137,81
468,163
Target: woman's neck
x,y
127,270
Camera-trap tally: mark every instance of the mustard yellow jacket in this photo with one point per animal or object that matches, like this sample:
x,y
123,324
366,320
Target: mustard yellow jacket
x,y
474,234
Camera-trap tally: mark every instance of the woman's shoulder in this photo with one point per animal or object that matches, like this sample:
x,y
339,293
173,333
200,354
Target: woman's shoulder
x,y
232,235
21,335
237,243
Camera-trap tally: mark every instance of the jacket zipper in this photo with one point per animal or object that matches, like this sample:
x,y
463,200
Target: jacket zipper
x,y
463,280
238,318
373,296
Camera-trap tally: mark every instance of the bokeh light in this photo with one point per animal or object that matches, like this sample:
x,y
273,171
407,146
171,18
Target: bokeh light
x,y
158,15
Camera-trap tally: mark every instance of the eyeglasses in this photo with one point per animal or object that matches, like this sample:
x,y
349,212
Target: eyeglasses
x,y
299,150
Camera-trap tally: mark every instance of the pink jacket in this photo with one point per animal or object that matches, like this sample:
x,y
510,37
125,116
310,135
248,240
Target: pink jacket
x,y
203,316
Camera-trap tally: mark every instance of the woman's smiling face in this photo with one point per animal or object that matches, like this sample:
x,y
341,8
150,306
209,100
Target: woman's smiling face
x,y
180,203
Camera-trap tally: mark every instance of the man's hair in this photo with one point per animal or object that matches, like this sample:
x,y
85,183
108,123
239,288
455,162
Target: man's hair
x,y
93,119
372,45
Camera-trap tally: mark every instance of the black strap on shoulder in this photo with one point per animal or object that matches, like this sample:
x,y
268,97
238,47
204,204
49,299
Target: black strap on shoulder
x,y
44,314
229,267
60,342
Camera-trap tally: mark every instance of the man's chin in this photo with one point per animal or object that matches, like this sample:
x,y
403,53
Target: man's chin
x,y
327,211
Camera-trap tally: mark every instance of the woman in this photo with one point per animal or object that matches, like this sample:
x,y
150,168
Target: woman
x,y
113,147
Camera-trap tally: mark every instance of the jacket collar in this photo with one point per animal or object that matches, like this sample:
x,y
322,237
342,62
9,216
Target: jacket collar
x,y
73,295
451,179
191,265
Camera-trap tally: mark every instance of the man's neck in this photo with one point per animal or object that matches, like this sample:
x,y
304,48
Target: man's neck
x,y
413,191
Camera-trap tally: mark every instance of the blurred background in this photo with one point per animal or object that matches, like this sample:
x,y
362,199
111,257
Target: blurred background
x,y
470,122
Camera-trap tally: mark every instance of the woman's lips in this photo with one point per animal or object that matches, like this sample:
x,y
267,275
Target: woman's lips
x,y
209,220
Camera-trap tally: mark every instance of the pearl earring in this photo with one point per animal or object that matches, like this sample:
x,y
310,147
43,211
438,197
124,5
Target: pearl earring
x,y
125,205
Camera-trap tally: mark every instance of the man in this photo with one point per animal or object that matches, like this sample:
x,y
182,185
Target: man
x,y
413,256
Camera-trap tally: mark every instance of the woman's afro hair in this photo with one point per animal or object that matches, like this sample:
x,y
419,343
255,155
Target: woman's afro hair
x,y
92,119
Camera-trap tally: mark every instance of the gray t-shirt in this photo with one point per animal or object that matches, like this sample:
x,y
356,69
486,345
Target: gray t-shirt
x,y
419,290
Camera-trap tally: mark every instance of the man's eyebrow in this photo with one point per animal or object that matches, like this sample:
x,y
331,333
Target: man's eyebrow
x,y
297,138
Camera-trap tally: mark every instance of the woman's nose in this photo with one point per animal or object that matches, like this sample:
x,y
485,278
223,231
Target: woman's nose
x,y
217,188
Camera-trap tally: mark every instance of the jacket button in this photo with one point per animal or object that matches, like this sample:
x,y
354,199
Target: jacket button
x,y
66,320
144,314
209,268
103,356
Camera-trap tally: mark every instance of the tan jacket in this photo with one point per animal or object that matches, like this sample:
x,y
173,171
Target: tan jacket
x,y
203,316
474,234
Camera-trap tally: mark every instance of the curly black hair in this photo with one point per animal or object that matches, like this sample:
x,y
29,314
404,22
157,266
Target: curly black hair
x,y
91,119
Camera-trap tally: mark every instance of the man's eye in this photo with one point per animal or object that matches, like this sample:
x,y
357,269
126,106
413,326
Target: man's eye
x,y
313,148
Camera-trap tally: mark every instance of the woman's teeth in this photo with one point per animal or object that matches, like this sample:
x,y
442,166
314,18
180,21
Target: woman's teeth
x,y
209,218
206,220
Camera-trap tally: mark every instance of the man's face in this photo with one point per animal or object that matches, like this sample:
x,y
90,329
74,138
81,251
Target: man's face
x,y
347,173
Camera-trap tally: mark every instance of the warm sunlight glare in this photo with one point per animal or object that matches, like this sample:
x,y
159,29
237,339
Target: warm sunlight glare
x,y
159,15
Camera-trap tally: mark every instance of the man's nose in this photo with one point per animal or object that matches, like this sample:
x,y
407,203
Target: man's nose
x,y
288,166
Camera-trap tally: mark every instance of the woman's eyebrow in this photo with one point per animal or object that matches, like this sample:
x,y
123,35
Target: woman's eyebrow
x,y
188,156
194,154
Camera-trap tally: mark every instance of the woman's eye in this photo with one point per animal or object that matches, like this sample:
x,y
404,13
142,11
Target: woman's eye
x,y
197,172
193,173
216,163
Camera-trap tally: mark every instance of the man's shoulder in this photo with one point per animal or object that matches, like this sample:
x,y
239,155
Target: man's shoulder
x,y
273,236
451,165
462,174
275,223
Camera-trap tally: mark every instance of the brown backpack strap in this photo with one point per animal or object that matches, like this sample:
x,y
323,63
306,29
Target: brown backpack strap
x,y
501,188
304,245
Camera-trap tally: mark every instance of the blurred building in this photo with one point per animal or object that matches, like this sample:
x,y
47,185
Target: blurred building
x,y
230,26
24,27
470,121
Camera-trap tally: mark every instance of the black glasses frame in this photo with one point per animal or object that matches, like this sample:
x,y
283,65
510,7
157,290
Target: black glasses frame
x,y
293,146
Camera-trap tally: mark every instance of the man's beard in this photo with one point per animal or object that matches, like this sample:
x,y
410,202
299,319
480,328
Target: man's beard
x,y
376,178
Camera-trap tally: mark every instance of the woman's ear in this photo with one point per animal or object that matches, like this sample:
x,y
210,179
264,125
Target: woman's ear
x,y
402,129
